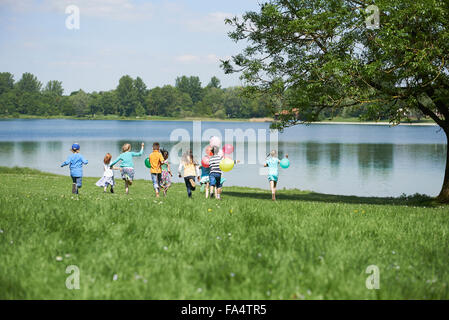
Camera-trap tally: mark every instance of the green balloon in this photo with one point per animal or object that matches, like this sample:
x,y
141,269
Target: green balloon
x,y
147,163
285,163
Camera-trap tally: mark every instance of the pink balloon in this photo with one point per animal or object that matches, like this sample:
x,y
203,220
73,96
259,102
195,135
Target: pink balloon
x,y
205,162
228,148
215,141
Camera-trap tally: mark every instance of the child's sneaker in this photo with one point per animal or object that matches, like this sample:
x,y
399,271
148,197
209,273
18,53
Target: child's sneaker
x,y
74,189
112,190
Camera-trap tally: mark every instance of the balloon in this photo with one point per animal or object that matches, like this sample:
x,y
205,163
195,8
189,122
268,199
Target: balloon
x,y
215,141
228,148
226,164
147,163
205,162
285,163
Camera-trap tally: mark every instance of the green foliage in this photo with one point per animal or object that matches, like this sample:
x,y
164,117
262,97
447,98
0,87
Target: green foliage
x,y
190,85
6,82
304,246
319,56
29,83
53,87
131,98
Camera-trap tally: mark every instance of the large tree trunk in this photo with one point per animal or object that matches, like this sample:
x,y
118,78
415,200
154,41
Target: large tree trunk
x,y
444,194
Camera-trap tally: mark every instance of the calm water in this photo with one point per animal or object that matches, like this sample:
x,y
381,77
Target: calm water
x,y
364,160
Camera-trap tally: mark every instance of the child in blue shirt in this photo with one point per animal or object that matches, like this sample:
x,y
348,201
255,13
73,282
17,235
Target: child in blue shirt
x,y
273,172
75,162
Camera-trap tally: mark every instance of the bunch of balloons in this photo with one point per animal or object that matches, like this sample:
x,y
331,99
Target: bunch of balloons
x,y
227,163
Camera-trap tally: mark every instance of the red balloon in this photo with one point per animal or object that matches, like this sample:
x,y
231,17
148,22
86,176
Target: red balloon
x,y
205,162
228,148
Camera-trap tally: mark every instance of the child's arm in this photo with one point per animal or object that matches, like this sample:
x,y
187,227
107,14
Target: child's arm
x,y
84,160
197,170
67,162
115,161
180,169
168,168
138,154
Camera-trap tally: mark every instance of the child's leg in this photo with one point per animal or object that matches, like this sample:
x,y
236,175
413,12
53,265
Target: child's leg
x,y
218,194
74,189
207,190
273,189
188,186
154,178
126,186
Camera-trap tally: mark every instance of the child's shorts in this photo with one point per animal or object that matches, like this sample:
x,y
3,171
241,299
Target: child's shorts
x,y
215,180
272,177
127,174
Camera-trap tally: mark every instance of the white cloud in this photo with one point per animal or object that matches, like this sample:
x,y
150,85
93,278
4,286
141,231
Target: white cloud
x,y
187,58
211,22
190,59
111,9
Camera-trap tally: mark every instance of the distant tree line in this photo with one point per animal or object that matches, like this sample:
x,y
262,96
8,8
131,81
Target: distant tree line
x,y
131,97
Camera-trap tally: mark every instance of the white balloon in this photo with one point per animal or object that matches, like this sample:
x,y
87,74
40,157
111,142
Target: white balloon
x,y
215,141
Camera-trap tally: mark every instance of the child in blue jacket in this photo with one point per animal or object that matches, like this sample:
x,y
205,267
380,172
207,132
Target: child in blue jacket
x,y
75,162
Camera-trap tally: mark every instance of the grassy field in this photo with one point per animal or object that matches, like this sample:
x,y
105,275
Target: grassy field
x,y
304,246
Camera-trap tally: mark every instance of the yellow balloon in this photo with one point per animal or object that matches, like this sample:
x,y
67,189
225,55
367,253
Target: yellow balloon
x,y
226,164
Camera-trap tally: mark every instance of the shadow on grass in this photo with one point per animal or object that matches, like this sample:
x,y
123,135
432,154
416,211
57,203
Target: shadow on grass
x,y
417,200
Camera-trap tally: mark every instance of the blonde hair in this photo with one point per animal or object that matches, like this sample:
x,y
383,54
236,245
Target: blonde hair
x,y
273,153
187,158
126,147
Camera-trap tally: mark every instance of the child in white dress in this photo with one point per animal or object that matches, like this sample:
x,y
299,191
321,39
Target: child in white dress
x,y
108,175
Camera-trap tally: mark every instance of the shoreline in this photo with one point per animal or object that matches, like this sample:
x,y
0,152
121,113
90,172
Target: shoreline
x,y
191,119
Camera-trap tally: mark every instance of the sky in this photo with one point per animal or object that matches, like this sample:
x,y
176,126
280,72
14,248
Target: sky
x,y
155,40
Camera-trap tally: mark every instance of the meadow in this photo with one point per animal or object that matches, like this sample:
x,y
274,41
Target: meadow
x,y
304,246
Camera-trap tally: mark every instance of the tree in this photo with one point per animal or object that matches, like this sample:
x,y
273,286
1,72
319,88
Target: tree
x,y
166,101
6,82
109,102
81,103
141,91
29,83
127,96
54,87
190,85
318,55
214,83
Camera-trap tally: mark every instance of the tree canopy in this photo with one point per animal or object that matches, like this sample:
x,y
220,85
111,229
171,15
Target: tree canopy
x,y
131,97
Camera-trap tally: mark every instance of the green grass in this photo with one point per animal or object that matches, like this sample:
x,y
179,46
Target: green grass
x,y
304,246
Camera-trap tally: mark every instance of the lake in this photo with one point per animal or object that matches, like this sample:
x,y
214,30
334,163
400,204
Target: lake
x,y
345,159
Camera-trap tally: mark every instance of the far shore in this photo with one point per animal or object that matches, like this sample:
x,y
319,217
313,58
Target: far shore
x,y
189,119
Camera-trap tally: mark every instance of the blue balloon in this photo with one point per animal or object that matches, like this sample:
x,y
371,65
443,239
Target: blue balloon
x,y
285,163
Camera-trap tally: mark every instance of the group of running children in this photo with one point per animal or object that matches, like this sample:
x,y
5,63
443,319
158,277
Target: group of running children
x,y
210,179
